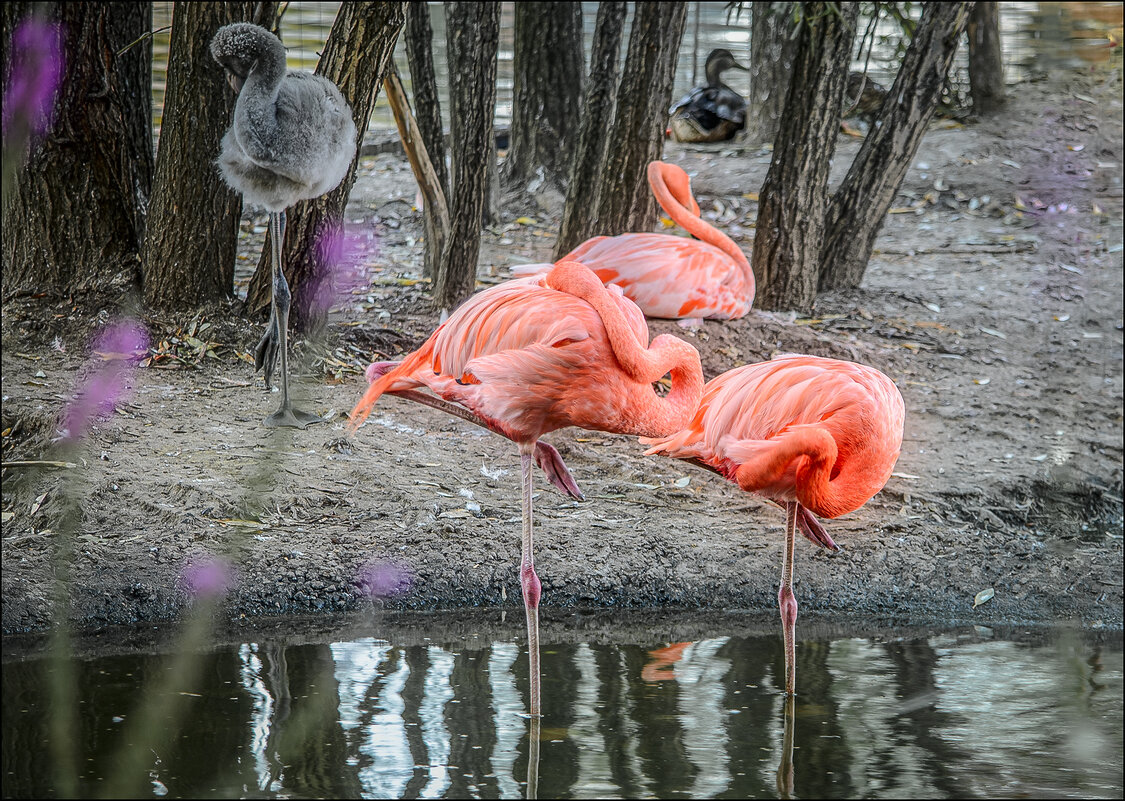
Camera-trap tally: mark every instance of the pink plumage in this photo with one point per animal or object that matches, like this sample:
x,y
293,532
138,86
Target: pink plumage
x,y
671,276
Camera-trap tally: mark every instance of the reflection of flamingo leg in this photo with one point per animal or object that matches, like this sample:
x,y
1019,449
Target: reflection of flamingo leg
x,y
533,759
785,767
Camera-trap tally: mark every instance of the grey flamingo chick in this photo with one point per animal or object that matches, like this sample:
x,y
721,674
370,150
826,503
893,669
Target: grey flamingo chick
x,y
292,138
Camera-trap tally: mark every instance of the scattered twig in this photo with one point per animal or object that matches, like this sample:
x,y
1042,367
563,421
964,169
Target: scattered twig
x,y
38,463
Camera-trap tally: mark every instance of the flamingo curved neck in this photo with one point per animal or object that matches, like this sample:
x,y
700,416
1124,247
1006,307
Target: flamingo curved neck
x,y
683,215
674,410
815,489
643,362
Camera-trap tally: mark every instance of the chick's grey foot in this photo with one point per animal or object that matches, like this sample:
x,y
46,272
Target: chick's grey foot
x,y
289,417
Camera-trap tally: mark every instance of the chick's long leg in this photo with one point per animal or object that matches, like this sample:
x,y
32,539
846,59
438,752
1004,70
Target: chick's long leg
x,y
274,343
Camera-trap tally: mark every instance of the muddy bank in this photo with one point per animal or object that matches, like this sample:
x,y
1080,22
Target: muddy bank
x,y
994,301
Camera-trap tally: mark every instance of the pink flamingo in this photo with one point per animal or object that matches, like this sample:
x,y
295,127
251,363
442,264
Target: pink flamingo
x,y
671,276
533,355
817,435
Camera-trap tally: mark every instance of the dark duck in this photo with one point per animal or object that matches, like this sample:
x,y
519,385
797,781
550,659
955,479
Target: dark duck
x,y
710,113
862,101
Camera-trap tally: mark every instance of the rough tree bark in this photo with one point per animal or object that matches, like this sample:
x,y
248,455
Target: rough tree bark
x,y
75,218
419,37
625,202
472,38
771,63
189,250
593,140
355,58
986,65
794,196
547,72
860,205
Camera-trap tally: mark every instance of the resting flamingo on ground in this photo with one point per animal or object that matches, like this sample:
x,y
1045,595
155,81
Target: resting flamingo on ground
x,y
292,138
533,355
666,275
819,436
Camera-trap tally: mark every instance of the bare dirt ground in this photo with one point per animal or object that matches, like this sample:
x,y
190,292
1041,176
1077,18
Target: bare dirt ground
x,y
994,300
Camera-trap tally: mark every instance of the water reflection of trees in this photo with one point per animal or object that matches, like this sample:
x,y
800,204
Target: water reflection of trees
x,y
946,716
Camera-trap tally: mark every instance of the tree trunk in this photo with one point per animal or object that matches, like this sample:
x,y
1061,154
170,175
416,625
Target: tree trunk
x,y
427,110
860,205
192,239
625,202
75,217
771,63
593,140
794,196
427,107
547,91
355,58
473,37
986,65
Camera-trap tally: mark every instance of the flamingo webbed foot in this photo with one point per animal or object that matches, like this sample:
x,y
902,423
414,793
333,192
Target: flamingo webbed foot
x,y
377,370
814,530
549,459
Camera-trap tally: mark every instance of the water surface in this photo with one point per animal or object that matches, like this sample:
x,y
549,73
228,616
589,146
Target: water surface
x,y
412,707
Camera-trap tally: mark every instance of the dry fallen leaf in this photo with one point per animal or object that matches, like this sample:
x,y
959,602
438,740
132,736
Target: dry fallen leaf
x,y
983,596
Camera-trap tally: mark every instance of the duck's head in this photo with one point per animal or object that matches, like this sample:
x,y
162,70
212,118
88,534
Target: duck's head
x,y
719,60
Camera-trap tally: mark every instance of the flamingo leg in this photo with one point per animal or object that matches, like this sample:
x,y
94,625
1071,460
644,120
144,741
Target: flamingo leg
x,y
532,588
273,343
786,600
